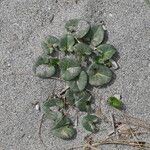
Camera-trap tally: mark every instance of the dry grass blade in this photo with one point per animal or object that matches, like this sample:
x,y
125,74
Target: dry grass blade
x,y
40,129
120,142
140,144
137,122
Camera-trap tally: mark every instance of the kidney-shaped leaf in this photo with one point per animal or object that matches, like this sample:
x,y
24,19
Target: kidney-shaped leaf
x,y
44,67
79,27
89,123
97,35
51,102
66,43
44,71
66,63
53,115
106,52
71,25
82,29
70,68
99,75
82,80
83,101
71,73
49,44
82,49
70,97
79,83
65,132
62,121
63,128
115,102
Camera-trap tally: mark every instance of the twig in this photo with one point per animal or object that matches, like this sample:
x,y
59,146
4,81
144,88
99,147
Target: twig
x,y
113,122
90,146
40,130
63,91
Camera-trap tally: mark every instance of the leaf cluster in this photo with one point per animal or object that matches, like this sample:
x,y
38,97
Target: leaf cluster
x,y
87,60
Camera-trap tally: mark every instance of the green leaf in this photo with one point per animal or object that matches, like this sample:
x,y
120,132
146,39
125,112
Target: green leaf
x,y
65,132
62,121
147,2
51,102
97,35
44,67
66,63
70,97
99,75
63,128
82,81
66,43
79,83
79,27
82,29
72,66
106,52
53,115
83,101
53,61
71,73
71,25
114,102
49,44
82,49
44,71
89,123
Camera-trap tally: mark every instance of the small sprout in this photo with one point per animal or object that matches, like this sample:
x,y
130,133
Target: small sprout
x,y
89,123
114,102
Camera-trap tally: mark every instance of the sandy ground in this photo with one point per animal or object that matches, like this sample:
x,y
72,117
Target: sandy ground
x,y
23,25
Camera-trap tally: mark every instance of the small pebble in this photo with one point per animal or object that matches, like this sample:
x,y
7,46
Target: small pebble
x,y
8,65
118,96
110,14
104,27
37,107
